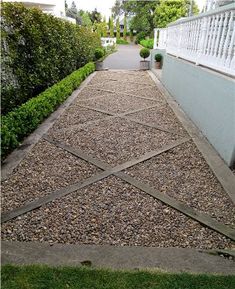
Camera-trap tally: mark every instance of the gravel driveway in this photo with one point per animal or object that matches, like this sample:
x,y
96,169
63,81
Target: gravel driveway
x,y
117,117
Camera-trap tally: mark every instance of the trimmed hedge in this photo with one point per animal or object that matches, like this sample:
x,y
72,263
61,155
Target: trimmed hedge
x,y
147,43
140,36
20,122
39,50
122,41
144,53
99,53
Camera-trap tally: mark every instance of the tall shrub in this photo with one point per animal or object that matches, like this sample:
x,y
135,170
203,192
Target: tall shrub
x,y
125,28
111,27
105,31
117,29
38,50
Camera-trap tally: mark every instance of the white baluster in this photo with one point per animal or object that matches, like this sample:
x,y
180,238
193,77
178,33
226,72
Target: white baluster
x,y
219,32
211,36
231,43
214,35
155,39
226,43
202,39
224,27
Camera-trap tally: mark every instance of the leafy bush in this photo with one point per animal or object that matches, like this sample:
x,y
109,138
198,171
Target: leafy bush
x,y
20,122
99,53
158,57
147,43
39,50
131,36
140,36
144,53
122,41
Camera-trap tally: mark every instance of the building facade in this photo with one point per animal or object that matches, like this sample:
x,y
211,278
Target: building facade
x,y
53,7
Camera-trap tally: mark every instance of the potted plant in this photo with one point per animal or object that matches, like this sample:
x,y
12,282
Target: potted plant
x,y
158,59
144,53
99,54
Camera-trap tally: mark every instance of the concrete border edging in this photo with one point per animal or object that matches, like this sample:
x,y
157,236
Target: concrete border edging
x,y
174,260
215,162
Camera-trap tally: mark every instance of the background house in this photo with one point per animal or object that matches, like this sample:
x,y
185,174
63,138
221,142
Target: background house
x,y
54,7
122,24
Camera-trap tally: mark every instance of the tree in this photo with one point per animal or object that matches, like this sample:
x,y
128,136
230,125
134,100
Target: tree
x,y
73,13
104,27
95,16
171,10
111,29
117,9
131,36
101,28
141,24
117,29
86,21
141,12
125,28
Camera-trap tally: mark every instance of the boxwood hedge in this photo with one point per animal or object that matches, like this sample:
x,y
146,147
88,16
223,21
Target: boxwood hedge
x,y
39,50
20,122
147,43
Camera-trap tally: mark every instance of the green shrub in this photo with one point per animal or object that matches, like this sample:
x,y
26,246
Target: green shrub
x,y
131,36
122,41
144,53
99,53
158,57
140,36
39,50
20,122
147,43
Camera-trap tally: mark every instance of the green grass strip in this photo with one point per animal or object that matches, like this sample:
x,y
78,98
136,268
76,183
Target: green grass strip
x,y
43,277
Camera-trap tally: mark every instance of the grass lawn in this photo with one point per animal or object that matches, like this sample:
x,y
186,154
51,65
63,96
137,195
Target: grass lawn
x,y
43,277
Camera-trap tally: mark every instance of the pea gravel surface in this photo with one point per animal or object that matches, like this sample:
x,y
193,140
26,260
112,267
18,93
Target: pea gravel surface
x,y
45,169
90,92
119,86
111,211
116,87
115,213
137,77
114,141
118,103
183,174
148,92
161,116
75,115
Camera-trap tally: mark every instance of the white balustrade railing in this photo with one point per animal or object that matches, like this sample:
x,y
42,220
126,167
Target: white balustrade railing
x,y
160,38
108,41
207,39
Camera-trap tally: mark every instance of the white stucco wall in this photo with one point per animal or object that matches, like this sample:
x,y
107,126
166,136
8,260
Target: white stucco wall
x,y
55,7
208,98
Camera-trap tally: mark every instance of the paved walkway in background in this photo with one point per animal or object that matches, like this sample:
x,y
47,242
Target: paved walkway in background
x,y
117,168
127,57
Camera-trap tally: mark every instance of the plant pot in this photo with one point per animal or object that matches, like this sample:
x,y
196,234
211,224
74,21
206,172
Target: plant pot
x,y
144,65
158,65
99,65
